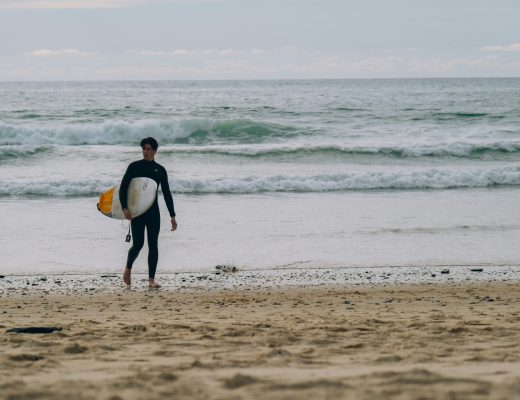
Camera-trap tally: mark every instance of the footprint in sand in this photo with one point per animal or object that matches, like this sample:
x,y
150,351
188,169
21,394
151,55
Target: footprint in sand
x,y
239,380
135,328
75,348
26,357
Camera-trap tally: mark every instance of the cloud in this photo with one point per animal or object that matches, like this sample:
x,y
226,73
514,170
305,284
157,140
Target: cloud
x,y
149,52
61,52
248,65
291,50
288,50
436,66
196,52
339,66
204,52
505,48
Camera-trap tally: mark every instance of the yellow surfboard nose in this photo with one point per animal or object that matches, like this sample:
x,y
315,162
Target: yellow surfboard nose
x,y
141,194
105,202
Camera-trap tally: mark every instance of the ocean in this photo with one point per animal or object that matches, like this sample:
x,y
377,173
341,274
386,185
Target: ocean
x,y
265,174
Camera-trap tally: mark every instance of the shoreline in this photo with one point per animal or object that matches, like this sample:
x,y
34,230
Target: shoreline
x,y
265,278
449,340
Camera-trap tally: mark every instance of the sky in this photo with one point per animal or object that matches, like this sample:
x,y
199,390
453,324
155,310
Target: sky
x,y
48,40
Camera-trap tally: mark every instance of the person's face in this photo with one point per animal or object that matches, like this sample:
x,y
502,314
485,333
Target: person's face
x,y
148,152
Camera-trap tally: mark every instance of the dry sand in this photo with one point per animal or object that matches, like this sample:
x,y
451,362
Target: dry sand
x,y
424,341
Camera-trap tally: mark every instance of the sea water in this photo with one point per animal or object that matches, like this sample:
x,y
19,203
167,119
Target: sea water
x,y
265,174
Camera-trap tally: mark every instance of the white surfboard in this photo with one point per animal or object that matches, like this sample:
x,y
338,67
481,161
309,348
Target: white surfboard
x,y
141,195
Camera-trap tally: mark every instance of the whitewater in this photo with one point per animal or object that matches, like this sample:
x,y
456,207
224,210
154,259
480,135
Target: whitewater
x,y
266,174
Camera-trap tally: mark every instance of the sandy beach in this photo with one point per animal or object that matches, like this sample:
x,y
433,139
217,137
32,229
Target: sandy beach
x,y
451,340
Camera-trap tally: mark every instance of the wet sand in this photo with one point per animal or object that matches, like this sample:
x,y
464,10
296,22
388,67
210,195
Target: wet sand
x,y
458,340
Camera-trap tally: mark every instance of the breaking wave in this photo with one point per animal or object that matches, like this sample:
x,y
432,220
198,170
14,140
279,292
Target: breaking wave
x,y
187,131
448,149
20,152
428,179
468,150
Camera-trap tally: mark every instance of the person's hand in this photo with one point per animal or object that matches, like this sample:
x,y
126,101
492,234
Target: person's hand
x,y
174,224
126,213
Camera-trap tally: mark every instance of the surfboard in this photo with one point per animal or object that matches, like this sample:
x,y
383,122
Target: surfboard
x,y
141,195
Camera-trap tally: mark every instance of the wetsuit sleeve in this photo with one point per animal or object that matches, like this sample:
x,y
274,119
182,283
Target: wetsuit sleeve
x,y
123,188
165,186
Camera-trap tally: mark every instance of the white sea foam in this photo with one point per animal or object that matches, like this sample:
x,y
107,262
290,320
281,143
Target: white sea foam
x,y
441,149
427,179
62,187
238,138
459,149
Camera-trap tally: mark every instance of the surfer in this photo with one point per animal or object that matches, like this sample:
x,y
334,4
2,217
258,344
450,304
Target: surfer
x,y
151,220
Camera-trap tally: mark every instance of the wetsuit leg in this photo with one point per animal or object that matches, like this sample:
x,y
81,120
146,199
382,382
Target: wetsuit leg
x,y
137,225
153,227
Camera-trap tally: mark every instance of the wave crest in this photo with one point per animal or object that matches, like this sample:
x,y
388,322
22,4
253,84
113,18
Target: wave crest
x,y
187,131
429,179
8,153
450,149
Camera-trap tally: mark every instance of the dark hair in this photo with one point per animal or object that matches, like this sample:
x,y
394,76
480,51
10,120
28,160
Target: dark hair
x,y
151,141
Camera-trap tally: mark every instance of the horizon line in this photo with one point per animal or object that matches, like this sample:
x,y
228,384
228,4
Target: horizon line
x,y
253,79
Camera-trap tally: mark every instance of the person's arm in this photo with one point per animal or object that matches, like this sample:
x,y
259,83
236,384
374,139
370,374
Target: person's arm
x,y
165,186
123,191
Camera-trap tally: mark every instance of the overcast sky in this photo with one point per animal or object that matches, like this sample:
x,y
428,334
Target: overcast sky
x,y
257,39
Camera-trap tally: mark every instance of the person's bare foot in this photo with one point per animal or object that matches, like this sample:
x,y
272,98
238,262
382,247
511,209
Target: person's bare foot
x,y
153,285
127,277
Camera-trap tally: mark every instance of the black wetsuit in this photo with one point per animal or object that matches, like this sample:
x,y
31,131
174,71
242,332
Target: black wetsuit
x,y
150,219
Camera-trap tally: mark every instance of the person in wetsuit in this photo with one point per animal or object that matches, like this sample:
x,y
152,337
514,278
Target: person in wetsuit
x,y
151,220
